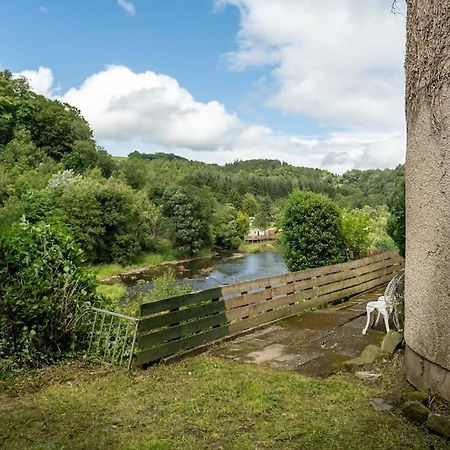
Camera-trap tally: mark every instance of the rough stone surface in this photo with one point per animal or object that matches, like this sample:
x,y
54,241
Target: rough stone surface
x,y
314,344
381,404
426,375
439,424
368,356
427,305
416,412
368,376
415,396
391,341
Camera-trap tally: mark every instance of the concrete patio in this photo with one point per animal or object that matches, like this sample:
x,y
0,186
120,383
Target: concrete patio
x,y
315,344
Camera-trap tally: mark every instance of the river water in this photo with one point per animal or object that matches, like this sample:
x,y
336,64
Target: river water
x,y
207,273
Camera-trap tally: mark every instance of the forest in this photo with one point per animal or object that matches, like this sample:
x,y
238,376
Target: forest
x,y
52,171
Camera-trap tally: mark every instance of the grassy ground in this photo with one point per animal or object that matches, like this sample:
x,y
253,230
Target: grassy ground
x,y
112,291
103,271
258,247
202,402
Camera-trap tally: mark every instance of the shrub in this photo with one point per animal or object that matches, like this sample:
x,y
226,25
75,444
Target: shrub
x,y
396,224
356,227
312,231
44,294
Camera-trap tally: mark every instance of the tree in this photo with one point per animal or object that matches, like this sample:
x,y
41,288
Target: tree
x,y
312,231
228,228
109,220
56,128
396,224
249,205
189,228
264,216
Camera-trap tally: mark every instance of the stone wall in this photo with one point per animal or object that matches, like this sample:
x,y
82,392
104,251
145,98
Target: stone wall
x,y
427,296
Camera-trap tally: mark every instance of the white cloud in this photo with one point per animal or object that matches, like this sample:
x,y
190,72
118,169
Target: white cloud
x,y
41,80
43,9
338,61
121,105
152,112
127,6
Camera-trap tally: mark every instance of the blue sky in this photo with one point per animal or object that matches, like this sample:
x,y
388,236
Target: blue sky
x,y
237,78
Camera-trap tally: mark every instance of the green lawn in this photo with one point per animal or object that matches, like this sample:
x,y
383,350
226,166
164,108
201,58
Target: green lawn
x,y
202,402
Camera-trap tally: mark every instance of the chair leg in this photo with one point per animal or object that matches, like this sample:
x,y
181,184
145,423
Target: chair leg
x,y
369,312
378,318
386,320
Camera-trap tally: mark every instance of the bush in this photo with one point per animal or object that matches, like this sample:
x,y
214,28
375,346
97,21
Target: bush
x,y
44,294
356,227
396,224
312,231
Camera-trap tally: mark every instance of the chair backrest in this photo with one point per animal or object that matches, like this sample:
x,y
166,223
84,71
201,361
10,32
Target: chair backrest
x,y
394,289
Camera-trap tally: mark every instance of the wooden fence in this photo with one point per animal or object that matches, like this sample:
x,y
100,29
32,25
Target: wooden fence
x,y
178,324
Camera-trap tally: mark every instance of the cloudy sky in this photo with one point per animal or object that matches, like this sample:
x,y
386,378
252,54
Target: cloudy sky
x,y
316,83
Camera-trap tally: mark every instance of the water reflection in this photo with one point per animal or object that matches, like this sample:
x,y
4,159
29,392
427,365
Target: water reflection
x,y
211,272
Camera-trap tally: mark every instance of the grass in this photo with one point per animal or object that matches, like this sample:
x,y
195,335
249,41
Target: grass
x,y
258,247
112,291
201,402
104,271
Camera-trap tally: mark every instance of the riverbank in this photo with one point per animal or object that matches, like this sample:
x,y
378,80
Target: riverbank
x,y
110,273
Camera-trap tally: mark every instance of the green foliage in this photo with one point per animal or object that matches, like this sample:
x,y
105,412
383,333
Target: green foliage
x,y
56,128
114,292
229,227
186,221
356,228
396,225
165,286
384,244
312,231
108,219
44,293
249,205
264,215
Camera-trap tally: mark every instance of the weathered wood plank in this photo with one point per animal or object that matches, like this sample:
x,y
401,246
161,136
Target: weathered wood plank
x,y
303,295
146,341
182,315
246,286
171,348
180,301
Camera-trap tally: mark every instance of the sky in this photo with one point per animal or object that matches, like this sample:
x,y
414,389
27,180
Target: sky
x,y
315,83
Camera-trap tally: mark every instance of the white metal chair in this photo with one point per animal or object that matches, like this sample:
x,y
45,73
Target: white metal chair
x,y
388,304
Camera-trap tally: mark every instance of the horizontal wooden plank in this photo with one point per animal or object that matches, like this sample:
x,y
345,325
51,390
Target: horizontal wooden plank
x,y
180,301
146,341
246,286
182,315
285,289
171,348
291,310
303,295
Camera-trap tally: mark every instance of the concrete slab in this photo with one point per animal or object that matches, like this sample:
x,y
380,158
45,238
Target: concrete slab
x,y
315,344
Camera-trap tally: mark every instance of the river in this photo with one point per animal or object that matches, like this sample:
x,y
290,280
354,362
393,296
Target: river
x,y
207,273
